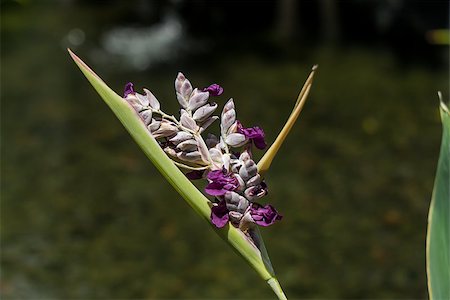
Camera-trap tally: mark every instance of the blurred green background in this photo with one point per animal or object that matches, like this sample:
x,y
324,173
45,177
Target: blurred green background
x,y
85,215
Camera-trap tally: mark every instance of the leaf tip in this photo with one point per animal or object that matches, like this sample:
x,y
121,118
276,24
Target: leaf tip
x,y
82,65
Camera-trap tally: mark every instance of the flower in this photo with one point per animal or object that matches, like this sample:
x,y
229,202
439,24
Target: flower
x,y
128,89
220,183
214,90
264,215
255,134
219,214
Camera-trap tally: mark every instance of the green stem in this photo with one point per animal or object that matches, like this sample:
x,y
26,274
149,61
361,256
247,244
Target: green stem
x,y
276,287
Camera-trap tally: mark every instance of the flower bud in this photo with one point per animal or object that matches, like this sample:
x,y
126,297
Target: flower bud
x,y
181,136
216,155
166,129
187,121
154,125
248,170
244,156
197,99
193,156
202,113
146,116
188,145
236,140
203,149
153,102
183,89
134,102
228,116
241,186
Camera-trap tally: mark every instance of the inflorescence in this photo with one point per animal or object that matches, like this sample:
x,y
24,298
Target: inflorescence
x,y
225,160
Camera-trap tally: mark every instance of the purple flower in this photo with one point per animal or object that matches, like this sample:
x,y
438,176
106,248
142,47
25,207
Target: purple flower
x,y
255,134
220,183
264,215
219,214
128,89
214,90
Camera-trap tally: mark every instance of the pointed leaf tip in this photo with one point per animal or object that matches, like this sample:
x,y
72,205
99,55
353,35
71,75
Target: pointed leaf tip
x,y
82,65
266,160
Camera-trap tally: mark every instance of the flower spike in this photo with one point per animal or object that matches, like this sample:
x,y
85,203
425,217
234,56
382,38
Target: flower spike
x,y
172,143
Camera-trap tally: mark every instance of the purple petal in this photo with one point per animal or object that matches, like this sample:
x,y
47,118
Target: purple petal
x,y
256,134
194,175
128,89
264,215
215,175
215,189
214,90
219,214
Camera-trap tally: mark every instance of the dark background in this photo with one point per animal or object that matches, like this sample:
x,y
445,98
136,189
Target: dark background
x,y
84,215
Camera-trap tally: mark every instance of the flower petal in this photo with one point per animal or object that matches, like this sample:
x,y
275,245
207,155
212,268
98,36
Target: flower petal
x,y
219,214
264,215
214,90
128,89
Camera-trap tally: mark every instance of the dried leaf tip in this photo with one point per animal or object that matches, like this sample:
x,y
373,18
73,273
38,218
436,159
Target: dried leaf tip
x,y
266,160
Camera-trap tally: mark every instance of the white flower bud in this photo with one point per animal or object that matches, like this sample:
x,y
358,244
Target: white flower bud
x,y
204,112
134,102
241,186
146,116
181,137
197,99
248,170
154,125
183,89
188,145
244,156
166,129
233,128
153,102
170,151
203,149
216,155
189,156
187,121
143,99
228,116
236,140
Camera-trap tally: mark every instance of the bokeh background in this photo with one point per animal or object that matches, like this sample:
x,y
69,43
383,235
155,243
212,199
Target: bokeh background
x,y
85,215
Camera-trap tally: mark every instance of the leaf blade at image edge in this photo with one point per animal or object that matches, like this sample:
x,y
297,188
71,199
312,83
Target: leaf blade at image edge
x,y
438,233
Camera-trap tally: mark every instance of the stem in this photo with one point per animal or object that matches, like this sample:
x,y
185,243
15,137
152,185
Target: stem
x,y
276,287
173,119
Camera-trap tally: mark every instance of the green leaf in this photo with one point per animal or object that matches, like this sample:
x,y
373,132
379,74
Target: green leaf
x,y
256,256
438,236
